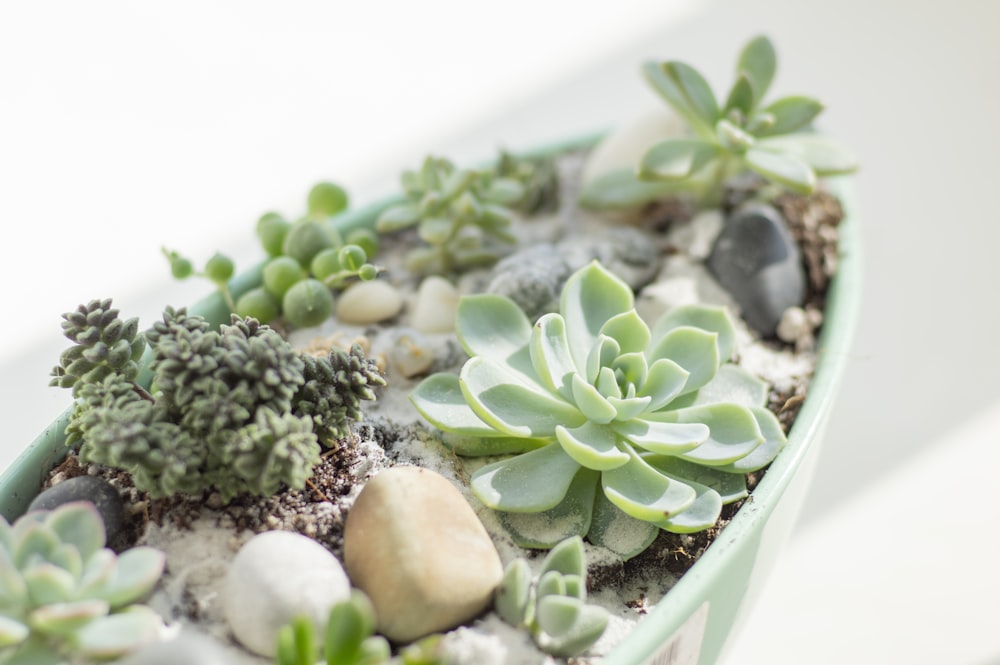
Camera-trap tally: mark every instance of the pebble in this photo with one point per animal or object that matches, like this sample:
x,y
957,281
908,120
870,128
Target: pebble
x,y
275,576
369,302
410,354
98,491
624,147
681,281
435,306
756,259
631,253
188,647
416,547
533,278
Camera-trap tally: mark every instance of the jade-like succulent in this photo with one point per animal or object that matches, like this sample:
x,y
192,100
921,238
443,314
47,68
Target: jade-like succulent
x,y
65,597
554,608
613,430
741,133
538,177
350,639
462,215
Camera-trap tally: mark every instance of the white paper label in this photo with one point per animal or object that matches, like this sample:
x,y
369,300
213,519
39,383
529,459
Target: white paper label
x,y
684,648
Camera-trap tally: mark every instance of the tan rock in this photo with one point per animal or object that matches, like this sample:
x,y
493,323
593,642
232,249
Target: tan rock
x,y
415,546
369,302
435,306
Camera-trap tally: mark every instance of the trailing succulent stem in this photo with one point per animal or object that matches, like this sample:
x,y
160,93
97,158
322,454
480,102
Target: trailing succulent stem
x,y
609,426
236,409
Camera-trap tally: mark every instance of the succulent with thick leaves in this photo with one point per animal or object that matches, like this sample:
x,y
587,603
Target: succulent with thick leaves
x,y
102,344
334,389
64,596
611,427
554,608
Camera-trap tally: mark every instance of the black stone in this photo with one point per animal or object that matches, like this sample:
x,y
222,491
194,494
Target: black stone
x,y
757,260
99,492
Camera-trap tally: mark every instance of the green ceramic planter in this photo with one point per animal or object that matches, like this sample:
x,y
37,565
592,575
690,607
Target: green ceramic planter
x,y
692,625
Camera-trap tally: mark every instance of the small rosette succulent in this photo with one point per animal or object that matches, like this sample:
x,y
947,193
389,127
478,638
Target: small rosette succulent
x,y
613,430
65,597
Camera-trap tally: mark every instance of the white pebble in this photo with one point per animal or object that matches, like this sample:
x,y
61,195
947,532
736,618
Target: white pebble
x,y
624,147
276,576
369,302
435,306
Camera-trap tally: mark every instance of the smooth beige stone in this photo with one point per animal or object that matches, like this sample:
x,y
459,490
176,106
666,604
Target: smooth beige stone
x,y
435,306
369,302
415,546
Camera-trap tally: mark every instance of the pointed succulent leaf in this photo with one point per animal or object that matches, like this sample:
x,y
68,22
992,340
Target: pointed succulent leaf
x,y
34,544
823,155
607,382
590,402
439,399
350,622
571,517
664,381
790,114
645,493
550,583
758,61
486,446
708,318
629,330
590,297
114,636
783,168
733,432
78,524
550,354
741,96
576,586
623,189
676,159
730,486
529,482
666,438
13,590
67,557
12,632
96,573
662,80
764,454
629,408
557,613
135,575
588,628
491,326
602,354
567,558
694,349
614,530
731,384
592,445
514,593
633,368
48,584
64,618
700,515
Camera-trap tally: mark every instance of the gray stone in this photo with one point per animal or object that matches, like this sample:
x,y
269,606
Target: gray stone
x,y
757,260
98,491
629,252
188,647
416,547
533,278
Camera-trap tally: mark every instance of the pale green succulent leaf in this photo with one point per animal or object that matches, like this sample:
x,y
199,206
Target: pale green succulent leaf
x,y
529,482
730,486
556,614
629,408
567,558
64,618
592,445
576,586
494,327
664,382
676,159
741,96
622,189
67,557
48,584
823,155
114,636
590,402
78,524
550,583
13,590
662,79
6,536
34,544
602,354
435,230
492,445
505,191
349,623
96,573
784,168
586,630
502,399
551,356
35,651
758,61
732,137
570,518
439,399
607,384
695,89
12,632
645,493
634,368
623,534
764,454
376,650
135,575
694,349
702,514
514,593
707,317
790,114
666,438
590,297
733,432
731,384
629,330
398,217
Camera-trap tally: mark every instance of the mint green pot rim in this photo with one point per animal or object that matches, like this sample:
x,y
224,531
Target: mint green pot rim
x,y
738,541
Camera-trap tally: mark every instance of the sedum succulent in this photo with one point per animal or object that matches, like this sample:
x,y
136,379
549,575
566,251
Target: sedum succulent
x,y
65,597
609,428
333,390
554,607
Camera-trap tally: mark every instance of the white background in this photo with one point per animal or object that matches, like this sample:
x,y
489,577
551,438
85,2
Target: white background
x,y
125,126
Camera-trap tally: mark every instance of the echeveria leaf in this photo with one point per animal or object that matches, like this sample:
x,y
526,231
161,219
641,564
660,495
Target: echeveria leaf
x,y
645,493
67,557
676,159
664,381
503,400
791,114
529,482
629,330
623,534
662,437
118,634
12,632
590,297
707,317
96,574
557,613
733,432
550,354
49,584
694,349
700,515
64,618
758,61
602,354
34,543
439,399
591,445
622,189
628,408
78,524
514,593
585,631
136,574
491,326
783,168
590,402
764,454
566,558
570,518
730,486
824,155
487,446
12,587
731,384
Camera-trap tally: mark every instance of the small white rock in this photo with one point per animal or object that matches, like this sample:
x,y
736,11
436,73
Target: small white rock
x,y
276,576
411,355
435,306
369,302
624,147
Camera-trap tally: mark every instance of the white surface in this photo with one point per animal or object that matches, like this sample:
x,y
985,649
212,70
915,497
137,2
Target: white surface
x,y
181,123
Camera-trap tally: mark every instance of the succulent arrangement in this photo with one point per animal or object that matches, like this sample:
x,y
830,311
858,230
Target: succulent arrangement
x,y
591,397
554,607
237,409
62,593
741,134
349,639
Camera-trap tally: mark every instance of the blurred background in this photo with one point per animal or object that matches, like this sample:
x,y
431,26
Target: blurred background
x,y
128,126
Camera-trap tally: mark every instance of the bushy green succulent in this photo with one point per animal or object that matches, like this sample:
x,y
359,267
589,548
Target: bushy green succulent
x,y
613,430
236,409
741,133
349,639
65,597
537,176
554,608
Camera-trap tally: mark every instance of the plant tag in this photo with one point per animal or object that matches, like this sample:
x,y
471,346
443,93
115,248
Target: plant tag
x,y
684,648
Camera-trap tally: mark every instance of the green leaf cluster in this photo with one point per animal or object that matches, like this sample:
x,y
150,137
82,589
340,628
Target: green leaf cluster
x,y
462,215
537,176
741,132
610,429
308,260
349,639
236,409
554,607
64,595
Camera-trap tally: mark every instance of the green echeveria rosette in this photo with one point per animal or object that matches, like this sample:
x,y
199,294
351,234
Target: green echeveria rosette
x,y
591,398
